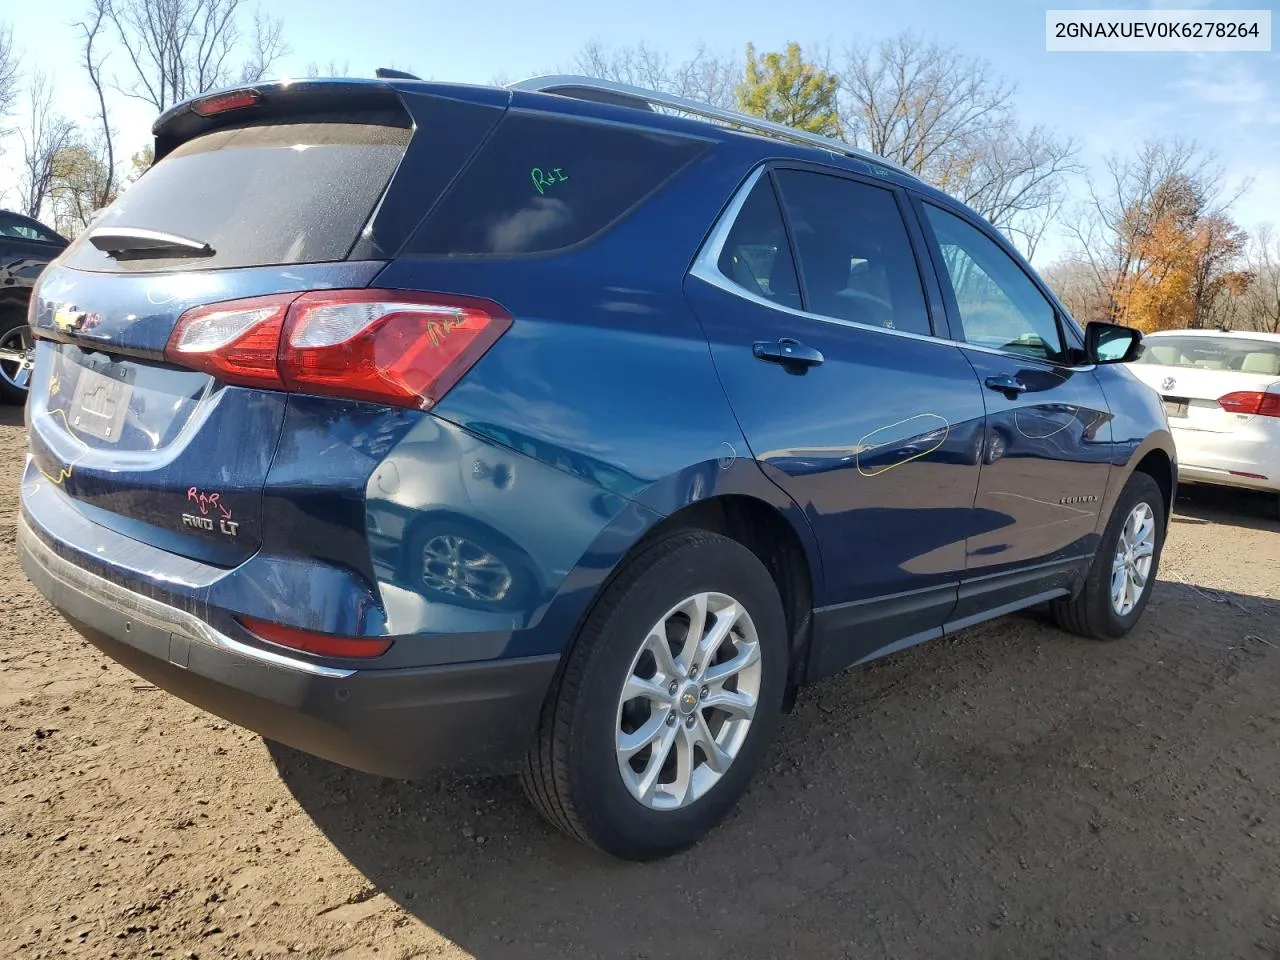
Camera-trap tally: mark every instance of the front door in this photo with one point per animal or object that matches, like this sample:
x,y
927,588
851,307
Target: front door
x,y
822,338
1047,454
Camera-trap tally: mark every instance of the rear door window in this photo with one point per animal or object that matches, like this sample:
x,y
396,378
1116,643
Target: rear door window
x,y
855,256
545,182
258,195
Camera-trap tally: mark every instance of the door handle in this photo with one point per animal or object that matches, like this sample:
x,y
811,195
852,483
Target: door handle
x,y
1008,385
788,352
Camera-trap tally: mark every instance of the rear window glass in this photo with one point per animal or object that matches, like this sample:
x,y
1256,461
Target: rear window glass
x,y
260,195
1214,353
543,183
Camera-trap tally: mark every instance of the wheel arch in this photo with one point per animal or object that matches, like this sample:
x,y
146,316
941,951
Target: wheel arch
x,y
767,532
1158,465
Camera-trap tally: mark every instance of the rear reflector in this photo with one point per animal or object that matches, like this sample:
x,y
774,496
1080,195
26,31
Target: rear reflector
x,y
1251,476
224,102
1253,402
383,346
321,644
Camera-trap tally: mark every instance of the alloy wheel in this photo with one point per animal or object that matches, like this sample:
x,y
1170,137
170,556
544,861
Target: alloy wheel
x,y
17,357
688,701
1132,564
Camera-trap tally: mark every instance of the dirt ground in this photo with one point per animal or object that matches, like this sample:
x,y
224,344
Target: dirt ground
x,y
1012,793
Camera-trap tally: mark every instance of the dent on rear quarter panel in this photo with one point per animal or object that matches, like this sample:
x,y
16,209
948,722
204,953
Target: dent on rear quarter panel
x,y
607,448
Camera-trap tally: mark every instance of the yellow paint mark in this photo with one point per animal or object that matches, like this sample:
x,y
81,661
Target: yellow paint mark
x,y
867,447
64,473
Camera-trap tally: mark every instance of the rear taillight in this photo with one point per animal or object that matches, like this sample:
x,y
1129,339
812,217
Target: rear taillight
x,y
384,346
237,342
1253,402
320,644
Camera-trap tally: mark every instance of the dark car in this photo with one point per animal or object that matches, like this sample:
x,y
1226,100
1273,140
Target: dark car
x,y
26,247
535,428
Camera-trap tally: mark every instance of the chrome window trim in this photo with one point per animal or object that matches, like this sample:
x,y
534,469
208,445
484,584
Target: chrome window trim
x,y
706,267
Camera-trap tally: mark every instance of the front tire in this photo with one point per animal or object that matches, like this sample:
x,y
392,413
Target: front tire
x,y
1123,571
665,701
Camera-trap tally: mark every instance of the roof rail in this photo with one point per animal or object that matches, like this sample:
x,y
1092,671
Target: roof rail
x,y
625,95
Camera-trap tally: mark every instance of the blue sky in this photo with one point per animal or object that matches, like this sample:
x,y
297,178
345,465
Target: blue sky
x,y
1106,101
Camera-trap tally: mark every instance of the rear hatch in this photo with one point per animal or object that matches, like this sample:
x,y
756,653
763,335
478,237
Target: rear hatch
x,y
282,189
1210,382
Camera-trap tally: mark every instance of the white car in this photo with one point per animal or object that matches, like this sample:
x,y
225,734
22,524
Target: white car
x,y
1221,392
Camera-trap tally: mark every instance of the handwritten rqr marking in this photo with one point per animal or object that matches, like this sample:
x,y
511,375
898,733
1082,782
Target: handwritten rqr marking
x,y
207,500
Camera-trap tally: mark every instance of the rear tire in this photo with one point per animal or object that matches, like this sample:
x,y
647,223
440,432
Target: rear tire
x,y
1096,611
583,772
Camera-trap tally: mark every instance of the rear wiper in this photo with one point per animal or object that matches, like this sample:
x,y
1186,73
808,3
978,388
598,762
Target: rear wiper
x,y
136,243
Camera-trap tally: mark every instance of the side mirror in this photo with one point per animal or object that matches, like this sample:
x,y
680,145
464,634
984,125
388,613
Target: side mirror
x,y
1111,343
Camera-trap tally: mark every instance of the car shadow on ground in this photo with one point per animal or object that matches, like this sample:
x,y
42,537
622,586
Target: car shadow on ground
x,y
1198,503
10,415
1012,791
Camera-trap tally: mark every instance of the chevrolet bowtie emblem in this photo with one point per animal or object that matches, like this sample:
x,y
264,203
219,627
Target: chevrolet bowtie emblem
x,y
67,319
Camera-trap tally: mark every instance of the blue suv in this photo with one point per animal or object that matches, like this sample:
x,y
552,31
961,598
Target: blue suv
x,y
566,428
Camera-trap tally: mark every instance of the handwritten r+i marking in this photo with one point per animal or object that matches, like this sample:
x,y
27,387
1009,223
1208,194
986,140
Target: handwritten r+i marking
x,y
542,180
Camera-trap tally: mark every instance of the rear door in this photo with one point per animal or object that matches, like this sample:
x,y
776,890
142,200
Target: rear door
x,y
820,327
1048,439
288,196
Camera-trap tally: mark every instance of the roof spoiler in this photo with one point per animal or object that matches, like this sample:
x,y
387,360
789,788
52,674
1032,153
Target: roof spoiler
x,y
389,73
264,102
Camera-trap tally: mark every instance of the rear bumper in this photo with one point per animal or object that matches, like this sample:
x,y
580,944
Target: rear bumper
x,y
1250,459
395,722
1225,478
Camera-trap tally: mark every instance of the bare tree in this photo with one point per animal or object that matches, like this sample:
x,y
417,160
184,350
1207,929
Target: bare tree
x,y
1072,280
1114,228
1261,301
80,181
950,119
8,73
333,68
924,106
92,33
44,134
181,48
266,47
705,76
